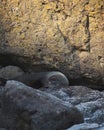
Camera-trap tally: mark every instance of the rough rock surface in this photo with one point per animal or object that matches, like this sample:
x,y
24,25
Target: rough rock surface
x,y
10,72
25,108
86,126
89,102
66,35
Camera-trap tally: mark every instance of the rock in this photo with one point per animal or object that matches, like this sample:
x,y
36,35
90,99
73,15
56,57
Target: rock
x,y
10,72
89,102
67,36
85,126
23,107
102,128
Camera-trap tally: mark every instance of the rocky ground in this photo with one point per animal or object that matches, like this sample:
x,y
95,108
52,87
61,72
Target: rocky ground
x,y
55,107
50,35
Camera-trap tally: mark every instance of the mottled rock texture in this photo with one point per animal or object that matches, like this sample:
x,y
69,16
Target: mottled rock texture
x,y
89,102
62,34
25,108
10,72
85,126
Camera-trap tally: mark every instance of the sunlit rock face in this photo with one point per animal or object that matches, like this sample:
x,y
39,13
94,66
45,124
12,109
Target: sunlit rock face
x,y
66,35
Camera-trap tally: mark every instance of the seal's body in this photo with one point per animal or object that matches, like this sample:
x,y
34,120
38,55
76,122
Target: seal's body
x,y
43,79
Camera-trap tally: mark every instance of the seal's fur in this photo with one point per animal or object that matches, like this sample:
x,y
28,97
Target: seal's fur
x,y
43,79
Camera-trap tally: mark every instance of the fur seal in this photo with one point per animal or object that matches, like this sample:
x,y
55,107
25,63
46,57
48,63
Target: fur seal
x,y
43,79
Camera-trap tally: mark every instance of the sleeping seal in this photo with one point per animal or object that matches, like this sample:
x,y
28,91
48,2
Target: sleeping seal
x,y
43,79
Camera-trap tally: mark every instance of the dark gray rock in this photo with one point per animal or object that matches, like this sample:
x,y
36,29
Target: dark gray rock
x,y
89,102
25,108
10,72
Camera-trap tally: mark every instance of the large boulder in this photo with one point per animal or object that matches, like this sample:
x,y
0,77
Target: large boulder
x,y
25,108
62,34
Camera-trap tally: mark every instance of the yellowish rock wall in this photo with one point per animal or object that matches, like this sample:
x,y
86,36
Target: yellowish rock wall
x,y
68,35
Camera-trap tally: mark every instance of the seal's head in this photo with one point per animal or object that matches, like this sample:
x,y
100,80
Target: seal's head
x,y
55,78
